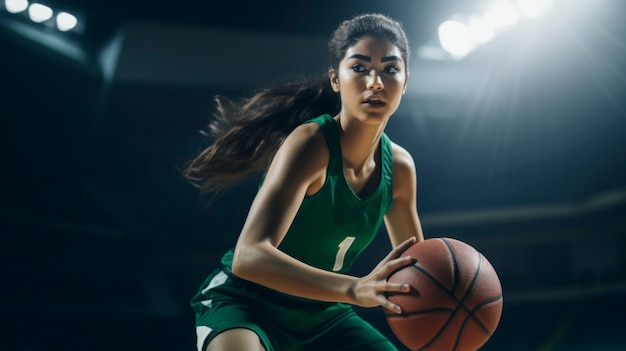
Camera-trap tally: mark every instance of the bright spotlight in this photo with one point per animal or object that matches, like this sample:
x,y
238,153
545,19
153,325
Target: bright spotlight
x,y
501,15
480,31
39,13
455,38
66,21
533,8
15,6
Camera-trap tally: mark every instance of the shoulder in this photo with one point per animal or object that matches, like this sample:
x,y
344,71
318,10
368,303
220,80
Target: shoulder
x,y
402,159
306,139
302,158
404,172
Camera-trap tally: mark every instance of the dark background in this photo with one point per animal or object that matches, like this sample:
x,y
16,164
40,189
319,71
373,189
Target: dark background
x,y
519,148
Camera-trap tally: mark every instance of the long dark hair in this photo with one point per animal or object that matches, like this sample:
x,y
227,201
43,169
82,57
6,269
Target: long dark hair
x,y
247,133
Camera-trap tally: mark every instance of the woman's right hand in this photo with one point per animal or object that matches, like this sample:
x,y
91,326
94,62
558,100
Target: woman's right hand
x,y
371,290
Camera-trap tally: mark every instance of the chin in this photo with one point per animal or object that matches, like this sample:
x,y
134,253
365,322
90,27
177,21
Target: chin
x,y
375,118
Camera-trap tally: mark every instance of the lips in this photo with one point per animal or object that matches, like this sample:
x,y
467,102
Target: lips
x,y
374,100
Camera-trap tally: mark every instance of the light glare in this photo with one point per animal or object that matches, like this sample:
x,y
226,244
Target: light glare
x,y
15,6
455,38
66,21
39,13
533,8
480,30
501,15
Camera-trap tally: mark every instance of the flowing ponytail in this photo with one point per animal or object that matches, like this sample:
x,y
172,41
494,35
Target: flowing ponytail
x,y
247,133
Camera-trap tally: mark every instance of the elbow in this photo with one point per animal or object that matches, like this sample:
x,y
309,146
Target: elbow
x,y
243,262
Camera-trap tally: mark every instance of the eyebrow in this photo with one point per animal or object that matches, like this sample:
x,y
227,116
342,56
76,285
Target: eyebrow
x,y
369,59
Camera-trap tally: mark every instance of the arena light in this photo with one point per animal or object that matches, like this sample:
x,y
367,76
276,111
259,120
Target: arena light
x,y
15,6
65,21
501,15
480,31
39,13
455,38
463,33
533,8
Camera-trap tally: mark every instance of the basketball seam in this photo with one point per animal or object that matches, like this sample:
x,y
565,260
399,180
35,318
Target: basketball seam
x,y
450,292
471,314
460,302
484,303
455,264
462,305
410,314
441,286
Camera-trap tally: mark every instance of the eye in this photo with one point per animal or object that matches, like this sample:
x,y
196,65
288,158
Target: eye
x,y
392,69
358,68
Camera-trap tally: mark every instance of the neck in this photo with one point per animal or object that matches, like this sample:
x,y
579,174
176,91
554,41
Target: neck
x,y
359,143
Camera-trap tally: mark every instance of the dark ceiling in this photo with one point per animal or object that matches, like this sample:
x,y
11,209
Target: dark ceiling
x,y
296,17
519,147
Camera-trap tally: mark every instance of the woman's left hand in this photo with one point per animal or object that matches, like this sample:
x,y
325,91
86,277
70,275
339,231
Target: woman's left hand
x,y
370,290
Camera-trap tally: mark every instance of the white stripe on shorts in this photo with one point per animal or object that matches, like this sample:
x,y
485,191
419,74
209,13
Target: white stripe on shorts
x,y
219,279
202,333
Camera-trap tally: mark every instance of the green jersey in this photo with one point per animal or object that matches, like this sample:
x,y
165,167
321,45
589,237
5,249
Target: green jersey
x,y
334,225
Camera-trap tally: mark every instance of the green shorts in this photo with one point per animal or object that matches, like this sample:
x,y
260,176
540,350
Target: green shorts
x,y
282,322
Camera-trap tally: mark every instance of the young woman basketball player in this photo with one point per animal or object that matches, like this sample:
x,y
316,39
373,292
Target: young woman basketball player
x,y
331,177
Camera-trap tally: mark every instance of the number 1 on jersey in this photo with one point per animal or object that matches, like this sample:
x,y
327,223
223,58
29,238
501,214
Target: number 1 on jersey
x,y
341,254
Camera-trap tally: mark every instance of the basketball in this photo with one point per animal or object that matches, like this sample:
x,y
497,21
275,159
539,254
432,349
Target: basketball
x,y
455,301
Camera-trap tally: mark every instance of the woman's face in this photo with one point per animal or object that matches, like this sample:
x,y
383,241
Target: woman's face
x,y
371,79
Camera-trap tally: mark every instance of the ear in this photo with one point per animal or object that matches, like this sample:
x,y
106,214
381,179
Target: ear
x,y
334,79
406,81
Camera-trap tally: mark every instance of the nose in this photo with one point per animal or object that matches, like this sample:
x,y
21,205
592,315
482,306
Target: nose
x,y
374,82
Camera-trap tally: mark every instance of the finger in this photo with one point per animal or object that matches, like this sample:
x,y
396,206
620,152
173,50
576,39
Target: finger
x,y
397,287
384,302
406,244
398,250
396,264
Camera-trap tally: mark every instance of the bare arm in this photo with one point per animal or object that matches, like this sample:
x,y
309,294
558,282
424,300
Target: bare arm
x,y
402,220
299,167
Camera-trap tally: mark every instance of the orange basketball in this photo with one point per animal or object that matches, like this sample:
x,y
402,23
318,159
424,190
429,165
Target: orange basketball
x,y
455,301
